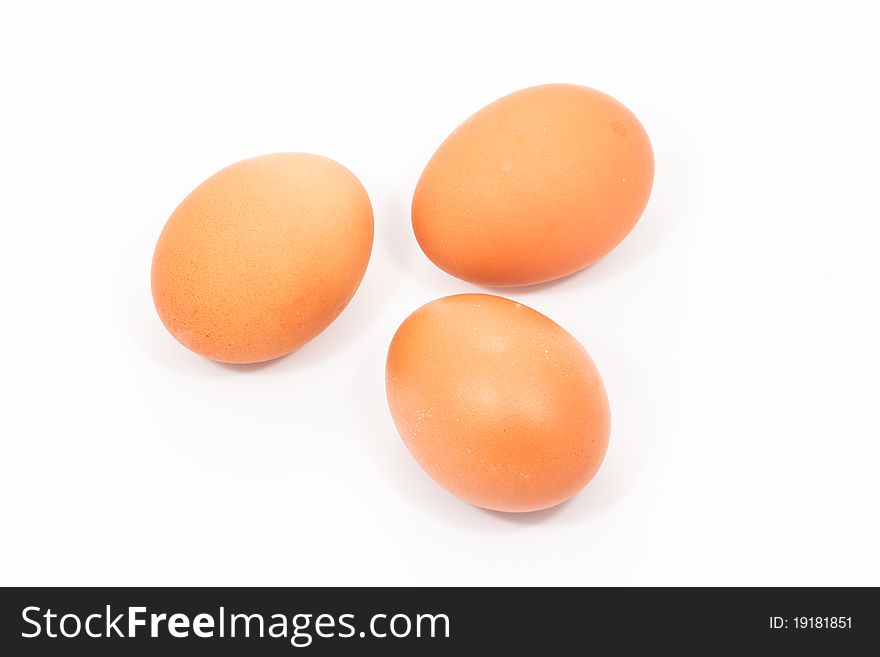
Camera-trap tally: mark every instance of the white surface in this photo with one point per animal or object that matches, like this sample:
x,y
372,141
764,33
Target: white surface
x,y
736,328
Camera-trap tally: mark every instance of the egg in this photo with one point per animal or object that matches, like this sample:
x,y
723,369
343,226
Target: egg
x,y
262,256
499,404
535,186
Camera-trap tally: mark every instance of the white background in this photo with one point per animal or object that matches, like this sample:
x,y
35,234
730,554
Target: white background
x,y
736,328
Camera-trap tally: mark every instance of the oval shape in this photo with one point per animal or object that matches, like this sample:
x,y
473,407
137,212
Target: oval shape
x,y
533,187
262,256
498,403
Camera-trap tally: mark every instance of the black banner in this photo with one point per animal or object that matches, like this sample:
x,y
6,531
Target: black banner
x,y
423,621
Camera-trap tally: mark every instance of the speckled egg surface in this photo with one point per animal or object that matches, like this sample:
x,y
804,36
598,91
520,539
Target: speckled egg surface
x,y
262,256
499,404
535,186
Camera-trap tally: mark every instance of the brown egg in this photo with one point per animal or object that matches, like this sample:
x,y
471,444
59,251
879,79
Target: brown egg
x,y
498,403
262,256
533,187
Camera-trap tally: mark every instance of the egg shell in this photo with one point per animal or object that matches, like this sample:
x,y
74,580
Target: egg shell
x,y
262,256
535,186
498,403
